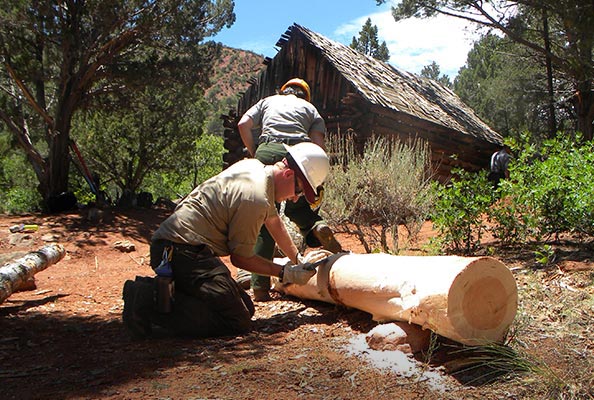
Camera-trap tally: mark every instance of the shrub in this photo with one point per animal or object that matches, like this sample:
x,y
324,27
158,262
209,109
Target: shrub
x,y
553,182
374,192
549,193
511,222
460,208
18,194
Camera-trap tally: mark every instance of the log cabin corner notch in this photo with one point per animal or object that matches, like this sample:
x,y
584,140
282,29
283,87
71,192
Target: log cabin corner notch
x,y
358,94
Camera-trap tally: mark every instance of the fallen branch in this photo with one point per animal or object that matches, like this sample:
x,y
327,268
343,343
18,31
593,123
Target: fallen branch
x,y
135,260
17,272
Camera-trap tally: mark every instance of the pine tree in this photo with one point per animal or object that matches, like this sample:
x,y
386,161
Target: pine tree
x,y
60,58
368,43
432,71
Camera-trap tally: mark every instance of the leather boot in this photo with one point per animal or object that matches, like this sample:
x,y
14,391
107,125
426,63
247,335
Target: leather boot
x,y
324,234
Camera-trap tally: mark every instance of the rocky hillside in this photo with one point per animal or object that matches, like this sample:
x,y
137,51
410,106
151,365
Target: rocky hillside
x,y
232,72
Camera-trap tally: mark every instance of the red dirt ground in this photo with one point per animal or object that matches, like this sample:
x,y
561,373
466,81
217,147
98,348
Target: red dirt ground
x,y
65,338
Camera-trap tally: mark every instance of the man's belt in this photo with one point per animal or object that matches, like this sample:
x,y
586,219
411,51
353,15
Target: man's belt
x,y
286,140
188,248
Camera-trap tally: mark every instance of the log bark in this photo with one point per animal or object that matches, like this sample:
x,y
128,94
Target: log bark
x,y
17,272
471,300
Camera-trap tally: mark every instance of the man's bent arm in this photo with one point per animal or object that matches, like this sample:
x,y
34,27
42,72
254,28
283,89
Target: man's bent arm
x,y
317,137
256,264
245,126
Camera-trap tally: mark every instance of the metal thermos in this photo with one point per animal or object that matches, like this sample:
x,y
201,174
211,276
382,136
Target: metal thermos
x,y
164,284
164,293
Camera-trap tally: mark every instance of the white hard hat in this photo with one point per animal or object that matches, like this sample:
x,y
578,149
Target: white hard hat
x,y
313,166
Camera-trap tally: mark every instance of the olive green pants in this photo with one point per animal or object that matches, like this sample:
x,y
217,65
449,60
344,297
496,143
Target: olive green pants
x,y
299,212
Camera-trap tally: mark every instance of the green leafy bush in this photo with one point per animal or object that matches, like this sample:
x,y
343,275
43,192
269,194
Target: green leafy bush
x,y
19,200
550,192
511,221
553,182
17,180
460,209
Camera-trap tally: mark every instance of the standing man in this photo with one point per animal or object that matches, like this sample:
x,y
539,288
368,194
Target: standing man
x,y
499,165
223,216
287,118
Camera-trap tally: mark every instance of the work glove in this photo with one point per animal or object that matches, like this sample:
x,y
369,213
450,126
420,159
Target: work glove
x,y
315,255
299,274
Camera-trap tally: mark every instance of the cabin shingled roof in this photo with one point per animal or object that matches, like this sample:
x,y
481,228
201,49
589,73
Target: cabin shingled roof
x,y
384,85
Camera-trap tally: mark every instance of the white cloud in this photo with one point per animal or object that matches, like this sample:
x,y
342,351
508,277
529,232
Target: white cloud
x,y
415,43
263,46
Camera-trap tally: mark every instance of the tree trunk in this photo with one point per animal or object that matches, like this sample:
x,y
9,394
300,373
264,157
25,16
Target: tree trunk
x,y
584,107
58,167
549,67
14,274
471,300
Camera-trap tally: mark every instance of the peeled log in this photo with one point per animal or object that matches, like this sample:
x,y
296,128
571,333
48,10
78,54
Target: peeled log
x,y
471,300
17,272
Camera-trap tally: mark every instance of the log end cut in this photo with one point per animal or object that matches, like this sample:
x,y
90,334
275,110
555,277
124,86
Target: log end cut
x,y
482,301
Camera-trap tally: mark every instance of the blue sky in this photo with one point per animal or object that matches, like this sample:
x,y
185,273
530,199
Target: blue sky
x,y
413,43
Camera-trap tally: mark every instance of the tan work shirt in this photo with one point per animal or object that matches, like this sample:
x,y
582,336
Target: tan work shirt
x,y
225,212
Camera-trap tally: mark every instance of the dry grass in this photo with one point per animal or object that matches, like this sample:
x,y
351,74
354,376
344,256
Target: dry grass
x,y
549,352
555,326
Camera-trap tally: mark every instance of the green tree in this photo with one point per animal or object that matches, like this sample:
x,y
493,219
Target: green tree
x,y
560,32
368,43
205,162
432,71
155,133
508,89
59,57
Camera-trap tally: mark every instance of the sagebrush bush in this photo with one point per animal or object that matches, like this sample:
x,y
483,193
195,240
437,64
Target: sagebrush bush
x,y
385,186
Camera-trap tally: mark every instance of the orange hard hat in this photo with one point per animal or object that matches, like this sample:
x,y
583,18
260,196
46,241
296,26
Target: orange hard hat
x,y
299,83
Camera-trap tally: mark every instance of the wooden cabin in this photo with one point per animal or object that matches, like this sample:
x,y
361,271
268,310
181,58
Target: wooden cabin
x,y
364,97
